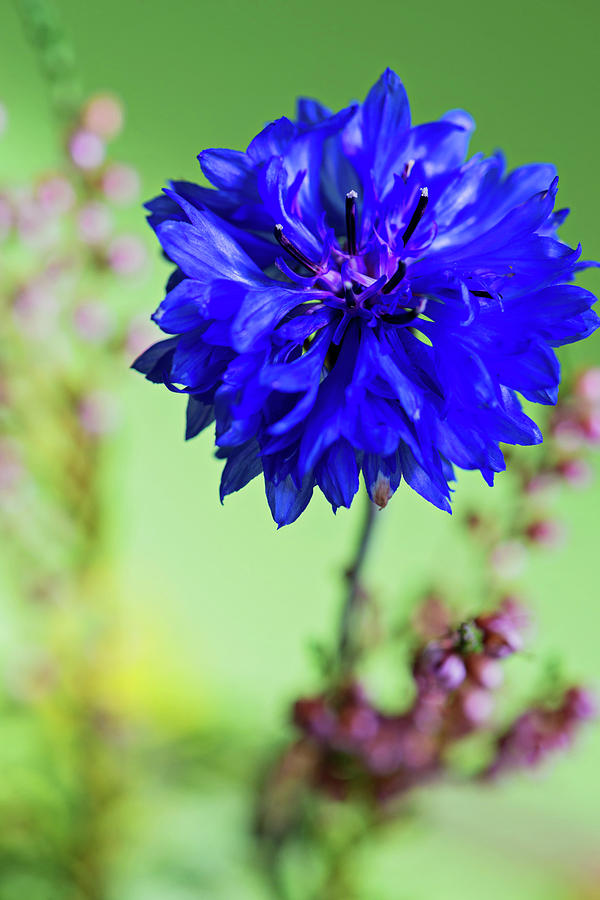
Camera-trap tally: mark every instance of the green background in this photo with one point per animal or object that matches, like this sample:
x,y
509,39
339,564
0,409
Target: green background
x,y
214,608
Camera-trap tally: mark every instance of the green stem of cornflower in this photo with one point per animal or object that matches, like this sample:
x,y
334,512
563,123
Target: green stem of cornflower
x,y
348,642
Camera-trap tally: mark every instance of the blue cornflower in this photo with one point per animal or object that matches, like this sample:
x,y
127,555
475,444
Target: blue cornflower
x,y
354,296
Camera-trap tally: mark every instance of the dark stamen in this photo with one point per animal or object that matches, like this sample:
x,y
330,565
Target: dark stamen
x,y
351,221
400,318
482,294
408,167
395,279
406,317
294,251
416,216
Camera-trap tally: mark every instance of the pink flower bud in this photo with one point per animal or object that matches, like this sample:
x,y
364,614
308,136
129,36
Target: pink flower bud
x,y
94,223
3,119
588,385
580,704
504,630
547,533
87,150
55,195
485,671
477,706
121,183
591,426
576,472
127,255
103,115
437,668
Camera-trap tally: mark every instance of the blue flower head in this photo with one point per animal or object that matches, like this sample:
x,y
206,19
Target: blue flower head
x,y
355,296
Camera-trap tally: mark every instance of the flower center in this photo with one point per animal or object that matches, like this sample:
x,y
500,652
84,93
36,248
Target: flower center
x,y
355,279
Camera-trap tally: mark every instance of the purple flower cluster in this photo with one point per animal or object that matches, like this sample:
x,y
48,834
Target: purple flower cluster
x,y
356,748
542,732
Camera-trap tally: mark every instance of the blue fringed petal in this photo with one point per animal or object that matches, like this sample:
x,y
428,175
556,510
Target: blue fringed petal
x,y
389,324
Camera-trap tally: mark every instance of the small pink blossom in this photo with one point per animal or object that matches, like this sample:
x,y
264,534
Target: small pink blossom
x,y
87,150
576,472
55,195
121,183
103,115
477,705
588,385
127,255
94,223
548,533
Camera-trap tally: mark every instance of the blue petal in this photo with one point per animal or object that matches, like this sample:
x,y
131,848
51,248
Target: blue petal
x,y
337,474
155,362
260,311
199,415
385,121
226,169
243,464
273,140
421,482
286,502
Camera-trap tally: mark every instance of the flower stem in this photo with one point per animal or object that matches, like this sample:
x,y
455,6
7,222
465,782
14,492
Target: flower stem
x,y
348,645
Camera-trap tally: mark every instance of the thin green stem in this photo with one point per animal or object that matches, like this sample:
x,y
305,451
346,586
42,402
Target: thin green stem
x,y
355,597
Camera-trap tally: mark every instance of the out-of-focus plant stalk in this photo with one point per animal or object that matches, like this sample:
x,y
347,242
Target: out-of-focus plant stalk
x,y
356,595
52,453
54,54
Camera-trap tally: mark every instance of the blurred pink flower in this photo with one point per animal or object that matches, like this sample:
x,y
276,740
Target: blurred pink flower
x,y
548,533
94,223
121,183
103,115
55,195
87,150
576,472
588,385
127,254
